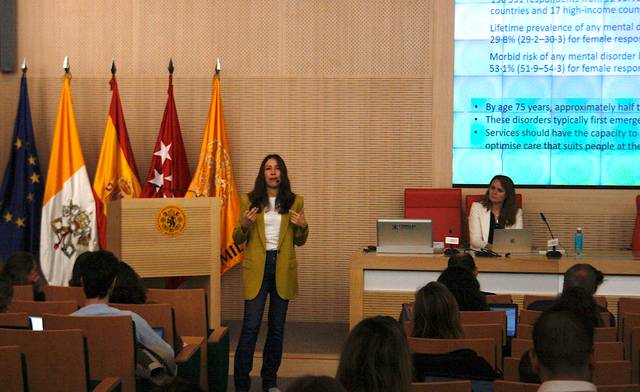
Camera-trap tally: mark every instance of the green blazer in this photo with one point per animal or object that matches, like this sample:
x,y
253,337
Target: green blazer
x,y
255,251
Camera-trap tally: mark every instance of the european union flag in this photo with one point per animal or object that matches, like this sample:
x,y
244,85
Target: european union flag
x,y
22,187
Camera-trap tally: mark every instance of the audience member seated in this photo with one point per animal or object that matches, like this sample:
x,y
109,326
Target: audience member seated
x,y
316,384
23,269
375,357
496,210
563,352
6,294
98,272
465,260
525,370
436,313
128,288
579,275
578,300
436,317
465,288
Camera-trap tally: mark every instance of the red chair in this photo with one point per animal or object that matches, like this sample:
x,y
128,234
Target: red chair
x,y
442,205
635,241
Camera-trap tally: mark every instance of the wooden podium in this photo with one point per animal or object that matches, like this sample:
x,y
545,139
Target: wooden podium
x,y
170,237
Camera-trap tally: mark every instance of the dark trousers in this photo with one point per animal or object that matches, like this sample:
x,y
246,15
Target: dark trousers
x,y
253,311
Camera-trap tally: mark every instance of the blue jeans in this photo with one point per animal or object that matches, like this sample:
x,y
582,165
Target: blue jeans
x,y
253,311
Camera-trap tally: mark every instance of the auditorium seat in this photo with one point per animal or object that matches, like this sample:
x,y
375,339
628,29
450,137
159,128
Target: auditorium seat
x,y
55,360
65,293
38,308
520,346
485,348
444,386
611,372
442,205
110,344
529,316
602,334
482,331
192,319
511,367
486,317
513,386
528,299
499,299
619,388
15,320
22,292
11,376
635,241
162,316
627,324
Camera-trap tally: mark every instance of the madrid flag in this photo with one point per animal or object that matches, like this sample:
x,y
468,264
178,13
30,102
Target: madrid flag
x,y
68,225
214,177
117,174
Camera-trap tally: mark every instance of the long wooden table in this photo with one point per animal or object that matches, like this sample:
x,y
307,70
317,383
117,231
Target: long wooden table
x,y
380,283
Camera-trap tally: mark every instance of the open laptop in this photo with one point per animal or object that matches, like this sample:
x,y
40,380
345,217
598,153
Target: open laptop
x,y
512,316
512,240
404,236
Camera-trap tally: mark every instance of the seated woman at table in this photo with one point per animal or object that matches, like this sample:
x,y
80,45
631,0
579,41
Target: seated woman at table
x,y
496,210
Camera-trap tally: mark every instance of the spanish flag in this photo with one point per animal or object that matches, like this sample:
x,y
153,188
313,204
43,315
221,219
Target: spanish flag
x,y
68,225
117,174
214,177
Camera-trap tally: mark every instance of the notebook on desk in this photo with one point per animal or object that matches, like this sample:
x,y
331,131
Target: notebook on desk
x,y
512,240
404,236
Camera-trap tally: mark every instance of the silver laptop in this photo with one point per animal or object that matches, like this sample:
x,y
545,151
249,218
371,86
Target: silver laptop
x,y
404,236
512,240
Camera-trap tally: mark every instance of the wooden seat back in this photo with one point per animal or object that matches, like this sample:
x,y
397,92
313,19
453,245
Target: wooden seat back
x,y
511,369
601,334
22,292
65,293
110,344
190,306
158,316
11,376
611,372
608,351
481,331
486,317
619,388
445,386
55,360
513,386
499,299
38,308
528,299
15,320
627,323
529,316
485,348
520,346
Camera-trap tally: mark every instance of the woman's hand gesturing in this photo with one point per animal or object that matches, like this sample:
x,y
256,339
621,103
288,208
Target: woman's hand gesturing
x,y
297,218
249,218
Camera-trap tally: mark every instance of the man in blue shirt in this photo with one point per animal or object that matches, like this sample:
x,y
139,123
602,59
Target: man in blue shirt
x,y
98,272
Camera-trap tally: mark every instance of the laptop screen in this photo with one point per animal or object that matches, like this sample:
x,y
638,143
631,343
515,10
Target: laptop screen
x,y
404,236
36,323
512,316
159,331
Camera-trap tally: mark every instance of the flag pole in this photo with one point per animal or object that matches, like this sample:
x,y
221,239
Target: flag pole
x,y
170,67
218,66
113,68
24,66
66,65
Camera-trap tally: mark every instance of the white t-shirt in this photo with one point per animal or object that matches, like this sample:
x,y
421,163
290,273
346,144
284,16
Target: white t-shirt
x,y
272,225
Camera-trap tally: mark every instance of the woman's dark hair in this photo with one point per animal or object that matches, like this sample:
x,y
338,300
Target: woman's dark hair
x,y
463,260
316,384
258,196
18,267
376,358
436,313
581,302
509,207
465,288
128,288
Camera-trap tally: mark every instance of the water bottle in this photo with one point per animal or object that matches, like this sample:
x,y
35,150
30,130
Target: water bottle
x,y
579,241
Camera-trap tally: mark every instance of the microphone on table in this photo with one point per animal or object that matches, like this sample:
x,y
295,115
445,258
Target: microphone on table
x,y
552,254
